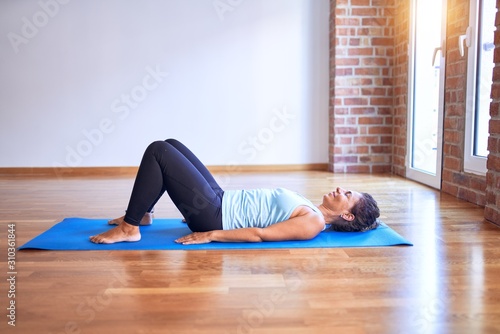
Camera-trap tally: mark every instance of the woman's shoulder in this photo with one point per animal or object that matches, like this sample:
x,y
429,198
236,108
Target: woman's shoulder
x,y
305,210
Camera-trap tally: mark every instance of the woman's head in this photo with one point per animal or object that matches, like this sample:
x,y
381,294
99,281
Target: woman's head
x,y
353,211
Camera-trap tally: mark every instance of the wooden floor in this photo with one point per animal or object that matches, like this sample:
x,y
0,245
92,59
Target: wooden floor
x,y
448,282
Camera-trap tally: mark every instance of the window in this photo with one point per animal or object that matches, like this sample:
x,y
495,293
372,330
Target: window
x,y
426,80
480,39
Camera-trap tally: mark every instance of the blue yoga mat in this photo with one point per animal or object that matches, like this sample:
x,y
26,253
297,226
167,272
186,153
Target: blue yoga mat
x,y
73,234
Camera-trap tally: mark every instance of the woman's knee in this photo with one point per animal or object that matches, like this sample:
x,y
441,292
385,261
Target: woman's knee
x,y
174,142
157,146
171,140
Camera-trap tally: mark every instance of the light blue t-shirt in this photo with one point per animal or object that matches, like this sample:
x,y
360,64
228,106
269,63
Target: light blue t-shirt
x,y
260,207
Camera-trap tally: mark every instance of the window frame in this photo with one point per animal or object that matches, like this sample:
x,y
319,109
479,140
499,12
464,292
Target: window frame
x,y
472,163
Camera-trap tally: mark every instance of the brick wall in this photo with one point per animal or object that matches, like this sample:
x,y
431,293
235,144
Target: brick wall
x,y
369,90
400,75
361,86
492,210
455,181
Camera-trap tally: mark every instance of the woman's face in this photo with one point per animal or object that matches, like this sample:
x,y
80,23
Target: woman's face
x,y
341,201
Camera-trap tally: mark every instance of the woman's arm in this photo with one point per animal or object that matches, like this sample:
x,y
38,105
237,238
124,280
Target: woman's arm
x,y
302,227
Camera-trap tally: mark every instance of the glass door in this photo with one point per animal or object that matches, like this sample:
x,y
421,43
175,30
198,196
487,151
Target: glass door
x,y
426,91
480,36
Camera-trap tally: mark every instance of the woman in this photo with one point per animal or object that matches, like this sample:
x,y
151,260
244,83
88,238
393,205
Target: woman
x,y
234,215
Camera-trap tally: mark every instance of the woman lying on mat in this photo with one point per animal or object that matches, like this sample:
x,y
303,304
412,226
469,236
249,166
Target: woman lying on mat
x,y
233,215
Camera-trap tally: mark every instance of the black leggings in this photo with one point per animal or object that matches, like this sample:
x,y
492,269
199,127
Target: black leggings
x,y
170,166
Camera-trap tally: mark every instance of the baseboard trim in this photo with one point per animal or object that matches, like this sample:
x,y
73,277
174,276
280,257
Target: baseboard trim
x,y
132,171
268,168
67,171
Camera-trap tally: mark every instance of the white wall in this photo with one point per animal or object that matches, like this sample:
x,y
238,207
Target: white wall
x,y
92,82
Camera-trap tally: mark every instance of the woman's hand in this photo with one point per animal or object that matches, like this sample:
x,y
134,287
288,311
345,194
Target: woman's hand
x,y
195,238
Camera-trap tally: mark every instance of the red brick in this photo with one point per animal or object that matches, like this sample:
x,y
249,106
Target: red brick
x,y
383,3
339,121
349,21
350,81
372,21
493,162
355,149
494,126
496,70
460,179
492,214
467,194
375,71
381,169
478,183
380,149
450,189
374,91
364,3
494,110
342,130
343,72
340,11
360,52
348,91
454,123
346,61
346,140
452,136
495,90
381,101
364,11
358,101
455,110
363,110
370,31
366,140
452,163
374,61
380,130
386,140
378,159
384,41
387,81
493,144
455,82
496,55
358,169
341,111
354,41
370,120
346,159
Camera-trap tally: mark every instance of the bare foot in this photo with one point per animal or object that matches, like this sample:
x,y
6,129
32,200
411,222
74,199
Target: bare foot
x,y
146,220
122,233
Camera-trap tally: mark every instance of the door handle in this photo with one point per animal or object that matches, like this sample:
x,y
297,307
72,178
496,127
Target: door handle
x,y
464,39
442,49
436,50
